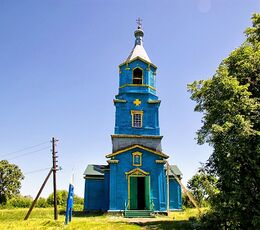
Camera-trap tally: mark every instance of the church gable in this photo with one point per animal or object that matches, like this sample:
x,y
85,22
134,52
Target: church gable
x,y
135,148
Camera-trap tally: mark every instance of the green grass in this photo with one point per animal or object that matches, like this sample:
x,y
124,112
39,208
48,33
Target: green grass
x,y
42,218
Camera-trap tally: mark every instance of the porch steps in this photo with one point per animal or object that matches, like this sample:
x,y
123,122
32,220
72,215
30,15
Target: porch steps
x,y
139,214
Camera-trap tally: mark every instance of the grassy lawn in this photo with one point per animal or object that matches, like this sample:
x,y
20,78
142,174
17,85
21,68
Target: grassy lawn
x,y
42,218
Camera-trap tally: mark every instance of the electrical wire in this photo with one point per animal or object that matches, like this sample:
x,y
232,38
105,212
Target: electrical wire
x,y
21,150
25,154
35,171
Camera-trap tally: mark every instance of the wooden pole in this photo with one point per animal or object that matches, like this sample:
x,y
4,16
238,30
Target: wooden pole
x,y
54,168
185,190
36,198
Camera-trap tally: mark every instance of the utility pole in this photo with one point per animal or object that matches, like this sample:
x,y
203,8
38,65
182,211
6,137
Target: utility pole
x,y
54,169
39,193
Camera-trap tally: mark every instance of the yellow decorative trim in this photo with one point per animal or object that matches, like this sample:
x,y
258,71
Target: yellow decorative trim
x,y
119,101
154,101
96,178
133,112
129,186
127,68
137,146
112,161
137,172
137,112
137,85
137,102
148,63
137,154
135,136
160,161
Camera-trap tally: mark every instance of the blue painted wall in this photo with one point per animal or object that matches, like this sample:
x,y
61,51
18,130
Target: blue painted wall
x,y
175,195
95,195
129,93
119,182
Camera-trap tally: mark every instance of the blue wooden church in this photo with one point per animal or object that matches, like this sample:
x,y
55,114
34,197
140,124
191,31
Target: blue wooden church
x,y
136,176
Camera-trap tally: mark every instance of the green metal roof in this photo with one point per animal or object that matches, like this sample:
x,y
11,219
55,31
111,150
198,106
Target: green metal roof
x,y
176,170
94,170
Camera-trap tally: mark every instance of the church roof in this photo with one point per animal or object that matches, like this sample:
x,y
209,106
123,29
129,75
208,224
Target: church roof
x,y
137,146
175,170
95,170
138,51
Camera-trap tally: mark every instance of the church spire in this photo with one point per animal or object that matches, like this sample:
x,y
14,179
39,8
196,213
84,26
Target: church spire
x,y
138,50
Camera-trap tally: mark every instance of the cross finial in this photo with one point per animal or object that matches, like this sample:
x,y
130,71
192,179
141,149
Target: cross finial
x,y
139,22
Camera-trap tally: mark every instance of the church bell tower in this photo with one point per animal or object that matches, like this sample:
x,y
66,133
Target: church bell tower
x,y
137,106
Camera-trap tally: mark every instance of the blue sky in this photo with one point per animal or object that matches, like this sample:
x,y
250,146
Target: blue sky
x,y
59,74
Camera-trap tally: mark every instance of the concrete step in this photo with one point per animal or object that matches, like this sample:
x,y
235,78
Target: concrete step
x,y
139,214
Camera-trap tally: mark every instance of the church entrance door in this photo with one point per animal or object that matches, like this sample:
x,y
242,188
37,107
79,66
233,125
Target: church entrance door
x,y
139,188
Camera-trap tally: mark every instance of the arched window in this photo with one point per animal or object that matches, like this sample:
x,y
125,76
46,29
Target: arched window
x,y
138,76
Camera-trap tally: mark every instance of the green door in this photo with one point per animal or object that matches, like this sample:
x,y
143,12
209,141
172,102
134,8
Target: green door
x,y
139,199
133,192
147,192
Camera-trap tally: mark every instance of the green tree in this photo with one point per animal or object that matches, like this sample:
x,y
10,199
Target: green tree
x,y
230,105
62,196
203,186
10,180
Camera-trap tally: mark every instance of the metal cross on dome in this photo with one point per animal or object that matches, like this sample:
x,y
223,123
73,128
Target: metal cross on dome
x,y
139,22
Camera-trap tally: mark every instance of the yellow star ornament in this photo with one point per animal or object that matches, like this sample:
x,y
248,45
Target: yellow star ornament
x,y
137,102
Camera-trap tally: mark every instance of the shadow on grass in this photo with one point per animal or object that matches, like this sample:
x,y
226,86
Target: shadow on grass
x,y
82,213
168,224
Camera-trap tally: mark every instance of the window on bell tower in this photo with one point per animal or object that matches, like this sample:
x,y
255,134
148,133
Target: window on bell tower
x,y
138,76
137,118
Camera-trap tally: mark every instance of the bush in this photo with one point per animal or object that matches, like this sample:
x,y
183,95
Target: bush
x,y
62,196
42,203
78,200
186,203
19,202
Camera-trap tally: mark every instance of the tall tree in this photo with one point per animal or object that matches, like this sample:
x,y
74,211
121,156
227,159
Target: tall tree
x,y
230,103
10,180
203,186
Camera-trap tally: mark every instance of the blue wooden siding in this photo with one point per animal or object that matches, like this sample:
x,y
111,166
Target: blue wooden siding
x,y
95,195
175,195
119,182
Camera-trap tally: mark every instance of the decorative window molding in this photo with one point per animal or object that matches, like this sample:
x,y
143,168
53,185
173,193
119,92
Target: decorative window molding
x,y
137,172
137,158
137,118
112,161
161,161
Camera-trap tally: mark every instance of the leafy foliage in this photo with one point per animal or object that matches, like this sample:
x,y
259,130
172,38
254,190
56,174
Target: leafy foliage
x,y
62,196
42,203
230,105
19,202
10,180
203,186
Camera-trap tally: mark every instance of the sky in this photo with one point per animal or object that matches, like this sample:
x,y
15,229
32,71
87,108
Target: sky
x,y
59,75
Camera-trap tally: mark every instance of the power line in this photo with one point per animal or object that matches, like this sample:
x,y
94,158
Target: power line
x,y
21,150
25,154
35,171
